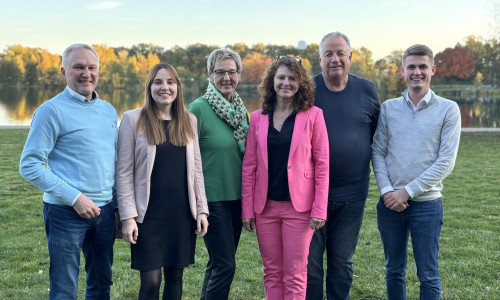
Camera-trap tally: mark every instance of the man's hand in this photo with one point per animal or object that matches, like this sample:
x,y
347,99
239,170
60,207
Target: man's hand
x,y
249,224
397,200
86,208
316,223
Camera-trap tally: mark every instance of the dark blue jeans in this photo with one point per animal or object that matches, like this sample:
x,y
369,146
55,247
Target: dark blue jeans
x,y
339,237
221,241
421,220
67,235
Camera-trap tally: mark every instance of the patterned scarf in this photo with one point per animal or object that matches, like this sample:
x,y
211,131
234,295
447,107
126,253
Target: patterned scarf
x,y
234,114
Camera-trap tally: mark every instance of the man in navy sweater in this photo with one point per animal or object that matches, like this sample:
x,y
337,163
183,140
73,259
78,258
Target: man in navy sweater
x,y
351,107
70,155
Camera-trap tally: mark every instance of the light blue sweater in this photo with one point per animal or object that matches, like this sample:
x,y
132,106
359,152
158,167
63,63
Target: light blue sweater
x,y
416,150
77,142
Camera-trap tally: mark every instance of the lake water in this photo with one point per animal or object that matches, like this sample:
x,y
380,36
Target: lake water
x,y
18,104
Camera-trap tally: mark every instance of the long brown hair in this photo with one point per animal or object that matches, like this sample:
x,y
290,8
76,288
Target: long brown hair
x,y
304,98
179,129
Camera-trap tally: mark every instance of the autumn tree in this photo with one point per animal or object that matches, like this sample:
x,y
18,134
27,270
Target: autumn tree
x,y
140,66
388,79
454,64
177,57
50,68
241,48
107,57
254,66
196,58
275,51
307,65
311,53
362,63
259,47
9,71
144,49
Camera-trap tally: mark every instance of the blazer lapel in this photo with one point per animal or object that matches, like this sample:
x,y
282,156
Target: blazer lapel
x,y
298,130
262,136
151,152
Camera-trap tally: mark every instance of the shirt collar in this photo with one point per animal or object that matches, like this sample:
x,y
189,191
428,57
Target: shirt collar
x,y
425,100
81,97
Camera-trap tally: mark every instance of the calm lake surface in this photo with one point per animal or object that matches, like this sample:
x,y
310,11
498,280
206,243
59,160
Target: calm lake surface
x,y
17,105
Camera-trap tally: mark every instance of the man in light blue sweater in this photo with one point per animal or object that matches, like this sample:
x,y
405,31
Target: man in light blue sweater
x,y
414,149
70,155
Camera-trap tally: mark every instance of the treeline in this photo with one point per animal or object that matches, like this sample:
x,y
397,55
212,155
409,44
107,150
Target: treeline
x,y
476,61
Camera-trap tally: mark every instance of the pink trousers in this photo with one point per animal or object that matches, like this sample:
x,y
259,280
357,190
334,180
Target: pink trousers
x,y
284,237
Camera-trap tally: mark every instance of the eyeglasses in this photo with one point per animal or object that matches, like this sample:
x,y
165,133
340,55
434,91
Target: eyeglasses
x,y
293,58
221,73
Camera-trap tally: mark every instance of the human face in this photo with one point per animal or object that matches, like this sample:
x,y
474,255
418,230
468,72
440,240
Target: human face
x,y
335,59
285,83
225,84
164,89
82,73
417,71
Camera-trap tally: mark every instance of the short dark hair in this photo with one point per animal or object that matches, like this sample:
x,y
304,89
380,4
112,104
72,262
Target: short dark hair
x,y
304,98
418,50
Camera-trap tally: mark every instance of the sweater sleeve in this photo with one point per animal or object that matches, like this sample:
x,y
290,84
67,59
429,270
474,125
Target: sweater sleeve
x,y
321,158
448,148
379,153
125,168
249,170
42,138
199,181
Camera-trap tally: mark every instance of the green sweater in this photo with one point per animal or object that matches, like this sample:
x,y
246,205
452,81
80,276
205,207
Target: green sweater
x,y
220,154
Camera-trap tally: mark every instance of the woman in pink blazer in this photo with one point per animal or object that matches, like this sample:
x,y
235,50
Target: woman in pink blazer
x,y
160,187
285,177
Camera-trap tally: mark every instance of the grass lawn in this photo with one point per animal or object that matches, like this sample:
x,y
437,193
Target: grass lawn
x,y
469,252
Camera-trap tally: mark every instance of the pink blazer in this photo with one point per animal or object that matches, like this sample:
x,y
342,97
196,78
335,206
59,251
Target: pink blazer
x,y
135,164
308,165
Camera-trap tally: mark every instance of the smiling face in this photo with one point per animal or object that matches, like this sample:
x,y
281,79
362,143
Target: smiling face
x,y
417,72
225,84
335,58
81,71
285,83
164,89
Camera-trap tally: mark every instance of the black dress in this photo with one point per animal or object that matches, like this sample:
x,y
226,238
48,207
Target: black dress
x,y
166,236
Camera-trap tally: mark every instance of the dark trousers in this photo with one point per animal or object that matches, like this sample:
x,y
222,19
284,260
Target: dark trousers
x,y
339,237
221,241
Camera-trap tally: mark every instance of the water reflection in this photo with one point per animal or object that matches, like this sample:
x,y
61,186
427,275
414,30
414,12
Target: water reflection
x,y
17,105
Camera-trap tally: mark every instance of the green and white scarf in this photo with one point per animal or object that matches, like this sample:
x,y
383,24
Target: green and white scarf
x,y
234,114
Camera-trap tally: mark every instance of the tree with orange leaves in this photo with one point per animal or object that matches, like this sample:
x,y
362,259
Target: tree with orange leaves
x,y
254,66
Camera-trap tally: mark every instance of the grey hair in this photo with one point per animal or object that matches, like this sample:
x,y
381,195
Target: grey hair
x,y
221,54
335,33
418,50
74,47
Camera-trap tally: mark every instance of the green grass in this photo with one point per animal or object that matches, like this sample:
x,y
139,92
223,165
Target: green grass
x,y
469,254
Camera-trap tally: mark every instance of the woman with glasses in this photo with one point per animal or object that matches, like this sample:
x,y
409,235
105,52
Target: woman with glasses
x,y
222,130
285,177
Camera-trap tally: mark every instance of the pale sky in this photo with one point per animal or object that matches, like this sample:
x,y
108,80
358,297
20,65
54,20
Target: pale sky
x,y
381,26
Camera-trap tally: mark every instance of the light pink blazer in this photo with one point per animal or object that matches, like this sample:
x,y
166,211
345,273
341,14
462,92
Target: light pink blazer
x,y
135,163
308,165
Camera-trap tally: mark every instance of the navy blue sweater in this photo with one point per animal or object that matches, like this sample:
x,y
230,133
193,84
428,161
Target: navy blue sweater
x,y
351,117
